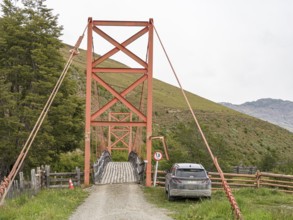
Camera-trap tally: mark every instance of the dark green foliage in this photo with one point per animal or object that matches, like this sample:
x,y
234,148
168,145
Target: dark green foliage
x,y
269,161
30,64
69,161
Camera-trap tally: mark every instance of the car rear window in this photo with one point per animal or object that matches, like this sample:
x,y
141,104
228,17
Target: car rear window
x,y
191,173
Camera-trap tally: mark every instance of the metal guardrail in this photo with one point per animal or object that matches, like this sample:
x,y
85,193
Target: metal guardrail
x,y
138,165
100,165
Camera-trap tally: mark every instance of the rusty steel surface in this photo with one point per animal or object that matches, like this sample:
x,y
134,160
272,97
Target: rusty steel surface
x,y
143,118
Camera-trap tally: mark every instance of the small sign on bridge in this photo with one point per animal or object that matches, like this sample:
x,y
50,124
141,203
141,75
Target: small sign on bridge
x,y
158,155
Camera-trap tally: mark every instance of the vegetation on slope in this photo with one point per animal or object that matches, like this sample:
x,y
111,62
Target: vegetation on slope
x,y
255,204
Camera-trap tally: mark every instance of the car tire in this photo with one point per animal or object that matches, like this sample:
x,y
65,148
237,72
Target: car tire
x,y
170,198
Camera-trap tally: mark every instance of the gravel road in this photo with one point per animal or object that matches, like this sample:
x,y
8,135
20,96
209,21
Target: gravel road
x,y
118,202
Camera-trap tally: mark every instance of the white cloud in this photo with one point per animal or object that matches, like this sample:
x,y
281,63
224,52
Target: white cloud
x,y
226,50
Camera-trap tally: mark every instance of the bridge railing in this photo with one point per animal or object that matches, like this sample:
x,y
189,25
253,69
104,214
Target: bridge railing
x,y
138,165
100,165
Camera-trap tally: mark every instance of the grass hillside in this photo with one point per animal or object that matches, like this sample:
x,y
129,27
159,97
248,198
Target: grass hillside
x,y
235,138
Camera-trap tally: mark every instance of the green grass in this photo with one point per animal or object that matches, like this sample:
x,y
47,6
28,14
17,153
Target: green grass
x,y
255,204
50,204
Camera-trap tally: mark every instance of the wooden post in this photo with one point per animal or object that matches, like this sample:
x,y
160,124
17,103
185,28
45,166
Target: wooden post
x,y
78,175
33,180
21,181
47,173
258,178
39,178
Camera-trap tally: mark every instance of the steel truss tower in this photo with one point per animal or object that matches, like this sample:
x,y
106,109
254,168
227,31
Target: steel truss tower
x,y
144,73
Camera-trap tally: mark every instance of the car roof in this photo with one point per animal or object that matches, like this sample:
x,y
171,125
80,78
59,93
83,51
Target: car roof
x,y
189,165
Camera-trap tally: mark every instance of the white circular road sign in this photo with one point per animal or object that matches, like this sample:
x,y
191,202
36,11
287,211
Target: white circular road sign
x,y
158,155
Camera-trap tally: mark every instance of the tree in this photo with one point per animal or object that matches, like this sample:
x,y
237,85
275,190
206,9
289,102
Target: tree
x,y
30,64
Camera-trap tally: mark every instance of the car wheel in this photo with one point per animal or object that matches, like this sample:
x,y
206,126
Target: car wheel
x,y
170,198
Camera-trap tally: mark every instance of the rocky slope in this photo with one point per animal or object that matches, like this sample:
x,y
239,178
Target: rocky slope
x,y
275,111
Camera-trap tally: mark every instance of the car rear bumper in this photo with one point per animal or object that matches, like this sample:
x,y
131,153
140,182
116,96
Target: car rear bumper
x,y
191,193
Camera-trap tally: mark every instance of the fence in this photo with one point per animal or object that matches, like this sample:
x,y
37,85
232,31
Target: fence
x,y
42,178
259,179
60,180
279,182
22,186
244,170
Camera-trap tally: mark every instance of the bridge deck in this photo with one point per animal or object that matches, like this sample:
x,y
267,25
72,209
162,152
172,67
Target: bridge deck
x,y
118,172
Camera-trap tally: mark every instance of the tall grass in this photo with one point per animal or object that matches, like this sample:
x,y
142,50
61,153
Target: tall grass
x,y
48,204
255,204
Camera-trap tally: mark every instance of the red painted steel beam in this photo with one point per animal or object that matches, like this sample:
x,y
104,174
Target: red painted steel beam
x,y
120,148
119,70
88,105
149,106
120,46
120,97
120,113
120,129
124,44
115,123
119,119
147,74
120,139
121,23
124,93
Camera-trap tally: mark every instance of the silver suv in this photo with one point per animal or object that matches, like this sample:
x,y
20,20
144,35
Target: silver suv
x,y
189,180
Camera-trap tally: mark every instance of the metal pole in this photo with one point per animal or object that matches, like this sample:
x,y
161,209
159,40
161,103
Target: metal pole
x,y
149,106
88,106
156,173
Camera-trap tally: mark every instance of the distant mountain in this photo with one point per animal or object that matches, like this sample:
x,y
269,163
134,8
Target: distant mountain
x,y
275,111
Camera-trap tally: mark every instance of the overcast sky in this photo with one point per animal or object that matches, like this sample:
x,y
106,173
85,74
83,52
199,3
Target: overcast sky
x,y
223,50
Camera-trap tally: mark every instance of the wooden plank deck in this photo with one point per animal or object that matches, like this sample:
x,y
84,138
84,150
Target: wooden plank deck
x,y
118,172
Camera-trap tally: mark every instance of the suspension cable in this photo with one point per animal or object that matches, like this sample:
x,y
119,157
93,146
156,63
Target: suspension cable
x,y
6,184
226,187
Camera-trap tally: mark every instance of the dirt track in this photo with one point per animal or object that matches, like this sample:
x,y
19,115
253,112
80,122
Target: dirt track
x,y
119,202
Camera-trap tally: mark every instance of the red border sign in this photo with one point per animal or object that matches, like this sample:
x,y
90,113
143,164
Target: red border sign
x,y
158,155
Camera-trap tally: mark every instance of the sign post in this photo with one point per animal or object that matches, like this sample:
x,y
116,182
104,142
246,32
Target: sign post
x,y
157,156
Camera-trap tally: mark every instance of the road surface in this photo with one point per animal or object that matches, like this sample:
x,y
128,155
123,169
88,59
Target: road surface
x,y
118,202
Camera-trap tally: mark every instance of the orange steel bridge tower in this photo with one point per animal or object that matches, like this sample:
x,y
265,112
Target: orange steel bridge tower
x,y
144,75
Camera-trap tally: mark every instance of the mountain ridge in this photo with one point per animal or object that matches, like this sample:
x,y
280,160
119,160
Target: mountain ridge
x,y
275,111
